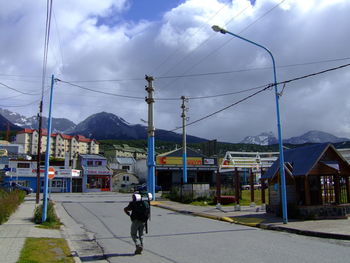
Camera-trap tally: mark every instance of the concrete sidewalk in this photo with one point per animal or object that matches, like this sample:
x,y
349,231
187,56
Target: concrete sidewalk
x,y
257,217
20,226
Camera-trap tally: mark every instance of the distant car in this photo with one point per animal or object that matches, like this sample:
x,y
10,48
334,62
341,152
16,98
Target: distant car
x,y
257,186
12,186
247,187
143,187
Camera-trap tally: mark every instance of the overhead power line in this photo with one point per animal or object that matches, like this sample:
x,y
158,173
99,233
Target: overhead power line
x,y
314,74
229,40
263,89
203,97
22,92
251,69
101,92
19,106
227,107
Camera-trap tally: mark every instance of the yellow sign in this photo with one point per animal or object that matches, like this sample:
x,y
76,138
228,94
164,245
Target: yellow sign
x,y
163,160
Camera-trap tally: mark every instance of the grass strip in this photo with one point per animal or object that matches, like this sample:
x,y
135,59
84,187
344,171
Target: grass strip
x,y
43,250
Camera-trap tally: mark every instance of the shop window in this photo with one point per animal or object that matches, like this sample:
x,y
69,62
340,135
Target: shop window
x,y
23,165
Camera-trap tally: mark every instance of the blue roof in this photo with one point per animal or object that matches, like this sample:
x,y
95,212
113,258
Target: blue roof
x,y
303,159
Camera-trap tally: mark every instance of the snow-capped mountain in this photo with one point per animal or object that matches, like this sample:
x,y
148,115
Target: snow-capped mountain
x,y
315,137
265,138
60,125
268,138
103,125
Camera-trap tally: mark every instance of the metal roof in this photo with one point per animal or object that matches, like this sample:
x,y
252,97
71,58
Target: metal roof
x,y
303,159
92,156
125,160
178,153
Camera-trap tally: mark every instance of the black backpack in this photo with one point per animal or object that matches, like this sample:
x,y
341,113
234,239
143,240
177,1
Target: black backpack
x,y
141,209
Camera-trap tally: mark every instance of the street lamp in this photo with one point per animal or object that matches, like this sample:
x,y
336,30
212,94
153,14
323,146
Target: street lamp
x,y
282,173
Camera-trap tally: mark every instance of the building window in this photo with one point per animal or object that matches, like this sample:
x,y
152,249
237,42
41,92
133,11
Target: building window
x,y
98,163
90,163
23,165
125,167
126,178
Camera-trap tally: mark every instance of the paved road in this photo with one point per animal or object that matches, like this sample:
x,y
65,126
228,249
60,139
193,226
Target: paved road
x,y
182,238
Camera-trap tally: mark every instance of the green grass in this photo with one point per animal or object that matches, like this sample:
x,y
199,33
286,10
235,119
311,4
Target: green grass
x,y
9,202
257,197
245,201
52,221
43,250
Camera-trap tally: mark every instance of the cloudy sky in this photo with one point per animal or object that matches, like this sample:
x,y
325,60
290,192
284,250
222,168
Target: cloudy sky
x,y
108,46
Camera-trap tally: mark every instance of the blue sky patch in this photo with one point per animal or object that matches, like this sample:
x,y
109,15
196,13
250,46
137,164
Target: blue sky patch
x,y
150,10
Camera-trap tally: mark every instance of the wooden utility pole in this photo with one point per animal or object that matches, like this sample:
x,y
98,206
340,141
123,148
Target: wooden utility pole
x,y
262,182
251,187
238,186
218,187
8,132
37,199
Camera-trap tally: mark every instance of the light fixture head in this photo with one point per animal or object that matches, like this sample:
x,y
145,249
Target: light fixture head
x,y
219,29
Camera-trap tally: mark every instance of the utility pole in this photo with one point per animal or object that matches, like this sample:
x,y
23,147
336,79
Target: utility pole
x,y
47,155
40,116
150,143
184,146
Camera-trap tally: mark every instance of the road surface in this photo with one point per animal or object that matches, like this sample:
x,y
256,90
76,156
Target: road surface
x,y
100,231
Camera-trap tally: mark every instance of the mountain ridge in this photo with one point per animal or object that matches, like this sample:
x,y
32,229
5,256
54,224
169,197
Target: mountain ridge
x,y
105,126
313,136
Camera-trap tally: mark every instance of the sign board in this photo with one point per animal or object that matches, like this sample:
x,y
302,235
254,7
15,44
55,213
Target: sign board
x,y
75,173
51,173
209,161
163,160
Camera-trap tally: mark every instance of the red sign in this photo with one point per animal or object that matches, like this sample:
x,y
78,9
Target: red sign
x,y
51,173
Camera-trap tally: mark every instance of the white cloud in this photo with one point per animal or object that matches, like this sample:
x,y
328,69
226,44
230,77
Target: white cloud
x,y
182,44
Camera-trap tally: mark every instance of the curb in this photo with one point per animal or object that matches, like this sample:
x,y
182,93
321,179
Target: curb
x,y
304,232
63,230
259,225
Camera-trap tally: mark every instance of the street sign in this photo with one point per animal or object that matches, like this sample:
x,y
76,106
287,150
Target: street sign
x,y
51,174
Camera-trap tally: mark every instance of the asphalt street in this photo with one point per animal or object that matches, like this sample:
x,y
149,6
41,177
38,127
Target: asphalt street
x,y
99,231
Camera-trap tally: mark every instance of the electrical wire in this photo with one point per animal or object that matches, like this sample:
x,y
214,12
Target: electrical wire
x,y
192,35
22,92
205,97
251,69
19,106
201,44
59,38
101,92
227,107
46,44
229,40
263,89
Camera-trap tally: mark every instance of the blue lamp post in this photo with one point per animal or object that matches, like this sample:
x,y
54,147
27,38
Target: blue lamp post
x,y
282,172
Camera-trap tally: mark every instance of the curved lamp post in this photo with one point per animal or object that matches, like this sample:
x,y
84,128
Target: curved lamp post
x,y
282,172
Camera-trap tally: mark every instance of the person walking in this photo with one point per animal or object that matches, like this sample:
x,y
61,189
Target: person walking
x,y
139,211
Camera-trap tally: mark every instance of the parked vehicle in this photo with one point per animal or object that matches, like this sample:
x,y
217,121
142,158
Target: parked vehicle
x,y
247,187
10,186
143,187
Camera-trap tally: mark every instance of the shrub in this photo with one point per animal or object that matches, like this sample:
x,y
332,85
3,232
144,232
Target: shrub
x,y
177,195
51,216
9,202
